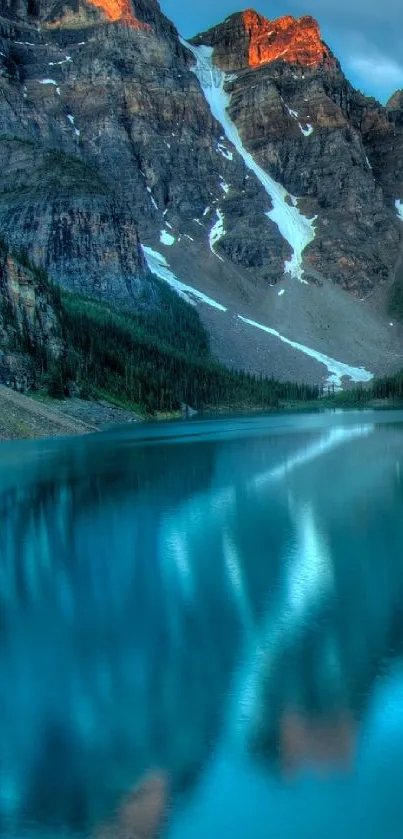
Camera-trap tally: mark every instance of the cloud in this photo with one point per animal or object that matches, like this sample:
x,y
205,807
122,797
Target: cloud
x,y
370,66
377,69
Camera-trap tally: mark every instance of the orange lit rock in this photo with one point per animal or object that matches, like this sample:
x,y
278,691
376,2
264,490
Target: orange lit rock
x,y
249,39
141,815
288,39
326,742
119,10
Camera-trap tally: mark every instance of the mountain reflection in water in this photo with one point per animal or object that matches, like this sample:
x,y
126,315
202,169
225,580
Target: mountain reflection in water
x,y
201,629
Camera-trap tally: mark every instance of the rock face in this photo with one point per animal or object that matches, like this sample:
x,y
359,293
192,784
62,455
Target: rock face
x,y
107,140
120,103
27,317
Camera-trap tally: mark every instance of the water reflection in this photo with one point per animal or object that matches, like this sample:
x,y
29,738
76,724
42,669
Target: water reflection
x,y
233,590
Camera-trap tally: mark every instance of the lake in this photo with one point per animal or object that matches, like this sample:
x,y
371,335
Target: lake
x,y
202,630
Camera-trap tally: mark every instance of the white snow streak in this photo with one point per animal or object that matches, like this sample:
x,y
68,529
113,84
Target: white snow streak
x,y
152,199
294,227
166,238
290,111
337,369
224,186
58,63
280,293
158,265
48,81
399,208
216,233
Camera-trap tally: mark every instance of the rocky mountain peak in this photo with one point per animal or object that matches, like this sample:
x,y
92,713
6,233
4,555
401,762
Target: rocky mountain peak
x,y
395,103
54,13
249,39
115,10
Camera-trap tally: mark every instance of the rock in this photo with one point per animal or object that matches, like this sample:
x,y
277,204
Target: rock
x,y
27,318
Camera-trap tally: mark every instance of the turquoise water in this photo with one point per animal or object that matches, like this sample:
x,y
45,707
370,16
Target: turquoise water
x,y
207,616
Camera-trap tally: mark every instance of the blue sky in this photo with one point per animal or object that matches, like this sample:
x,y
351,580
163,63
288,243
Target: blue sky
x,y
365,35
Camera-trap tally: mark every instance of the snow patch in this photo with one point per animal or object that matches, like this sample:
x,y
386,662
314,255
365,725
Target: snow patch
x,y
48,81
293,226
158,265
224,186
308,130
399,208
216,233
367,162
280,293
224,151
336,369
58,91
166,238
70,118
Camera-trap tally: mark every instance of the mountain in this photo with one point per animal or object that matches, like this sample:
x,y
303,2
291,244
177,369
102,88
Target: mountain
x,y
241,168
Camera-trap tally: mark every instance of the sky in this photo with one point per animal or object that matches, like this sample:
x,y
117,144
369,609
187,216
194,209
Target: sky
x,y
365,35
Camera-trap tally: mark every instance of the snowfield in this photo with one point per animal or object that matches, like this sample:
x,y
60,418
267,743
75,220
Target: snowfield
x,y
336,369
293,226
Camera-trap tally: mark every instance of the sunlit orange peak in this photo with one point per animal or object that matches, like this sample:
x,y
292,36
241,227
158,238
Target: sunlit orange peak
x,y
288,39
119,10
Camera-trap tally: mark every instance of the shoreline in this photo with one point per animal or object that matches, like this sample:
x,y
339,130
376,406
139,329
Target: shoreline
x,y
29,417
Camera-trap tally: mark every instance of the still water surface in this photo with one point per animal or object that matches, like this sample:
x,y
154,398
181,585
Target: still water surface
x,y
202,631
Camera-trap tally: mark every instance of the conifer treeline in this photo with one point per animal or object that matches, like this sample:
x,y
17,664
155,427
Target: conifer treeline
x,y
155,360
152,359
